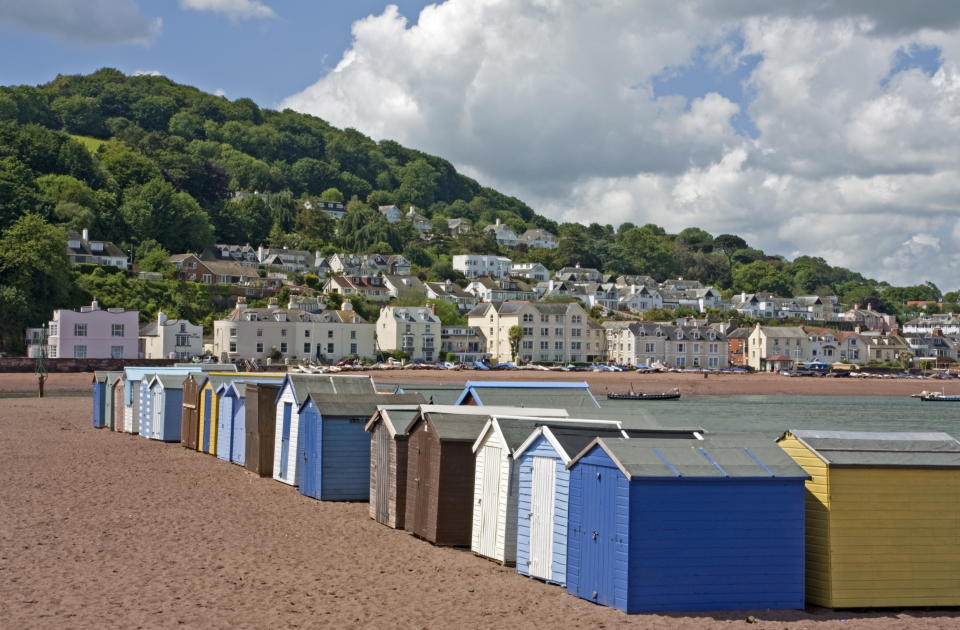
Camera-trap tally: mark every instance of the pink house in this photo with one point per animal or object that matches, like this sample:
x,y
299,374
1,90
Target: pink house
x,y
93,333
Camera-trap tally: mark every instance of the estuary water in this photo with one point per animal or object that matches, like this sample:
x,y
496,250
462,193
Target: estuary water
x,y
771,416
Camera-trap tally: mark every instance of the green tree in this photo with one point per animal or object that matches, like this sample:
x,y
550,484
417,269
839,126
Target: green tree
x,y
515,335
332,194
18,190
155,210
315,223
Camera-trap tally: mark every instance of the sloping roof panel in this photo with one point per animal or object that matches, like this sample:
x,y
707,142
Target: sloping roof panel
x,y
869,449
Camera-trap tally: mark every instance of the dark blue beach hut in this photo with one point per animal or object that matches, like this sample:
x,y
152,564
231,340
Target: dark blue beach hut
x,y
333,446
548,394
166,405
671,525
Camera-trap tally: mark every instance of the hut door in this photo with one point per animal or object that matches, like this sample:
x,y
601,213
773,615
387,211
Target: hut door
x,y
119,411
285,439
238,446
98,388
383,475
596,532
224,428
309,447
204,429
541,517
490,501
424,487
156,423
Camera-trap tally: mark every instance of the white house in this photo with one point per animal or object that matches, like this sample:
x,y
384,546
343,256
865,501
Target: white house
x,y
538,238
80,249
171,339
503,233
491,290
391,212
531,271
420,222
478,265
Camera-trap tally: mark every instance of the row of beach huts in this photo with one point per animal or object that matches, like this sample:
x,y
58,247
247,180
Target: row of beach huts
x,y
617,508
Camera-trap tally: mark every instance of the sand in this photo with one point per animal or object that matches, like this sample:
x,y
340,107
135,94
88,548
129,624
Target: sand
x,y
107,530
690,384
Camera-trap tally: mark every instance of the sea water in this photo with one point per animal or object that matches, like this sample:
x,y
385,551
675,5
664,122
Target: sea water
x,y
771,416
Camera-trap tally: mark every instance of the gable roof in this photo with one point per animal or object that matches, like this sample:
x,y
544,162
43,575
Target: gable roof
x,y
529,394
712,458
356,405
396,418
304,385
870,449
433,394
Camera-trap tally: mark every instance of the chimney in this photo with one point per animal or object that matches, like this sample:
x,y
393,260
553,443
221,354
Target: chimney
x,y
347,305
273,304
937,332
869,306
743,296
241,303
94,306
86,234
161,318
498,221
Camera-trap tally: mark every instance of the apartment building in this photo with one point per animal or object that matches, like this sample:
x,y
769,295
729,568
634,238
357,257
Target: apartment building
x,y
642,343
93,333
479,265
552,332
414,330
325,336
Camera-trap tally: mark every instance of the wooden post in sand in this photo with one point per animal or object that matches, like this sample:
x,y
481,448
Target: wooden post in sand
x,y
41,369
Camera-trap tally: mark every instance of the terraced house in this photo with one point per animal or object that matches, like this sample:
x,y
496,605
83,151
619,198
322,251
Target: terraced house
x,y
641,343
552,332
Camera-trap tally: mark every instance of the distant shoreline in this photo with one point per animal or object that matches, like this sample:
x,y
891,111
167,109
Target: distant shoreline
x,y
690,384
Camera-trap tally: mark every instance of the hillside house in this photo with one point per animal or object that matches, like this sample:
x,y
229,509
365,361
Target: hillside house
x,y
81,250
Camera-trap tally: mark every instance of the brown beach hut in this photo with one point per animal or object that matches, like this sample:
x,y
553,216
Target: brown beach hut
x,y
440,469
190,416
118,387
261,419
388,463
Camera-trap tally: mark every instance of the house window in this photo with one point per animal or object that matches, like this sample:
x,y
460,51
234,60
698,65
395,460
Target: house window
x,y
574,345
306,333
714,348
79,352
330,333
544,345
558,332
528,330
353,348
116,330
649,347
306,348
116,352
681,347
207,278
329,348
696,348
183,340
558,345
80,330
259,346
233,333
353,334
53,352
283,347
233,346
259,332
544,319
713,362
283,332
528,345
544,332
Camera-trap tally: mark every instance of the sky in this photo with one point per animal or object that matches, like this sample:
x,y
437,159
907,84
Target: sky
x,y
826,128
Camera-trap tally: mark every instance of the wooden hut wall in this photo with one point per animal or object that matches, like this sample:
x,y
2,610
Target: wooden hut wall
x,y
261,426
494,489
865,525
423,475
131,413
388,477
543,495
190,413
209,407
118,404
455,494
680,544
109,400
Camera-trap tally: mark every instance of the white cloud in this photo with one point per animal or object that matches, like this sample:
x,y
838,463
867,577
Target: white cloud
x,y
233,9
147,73
90,22
553,102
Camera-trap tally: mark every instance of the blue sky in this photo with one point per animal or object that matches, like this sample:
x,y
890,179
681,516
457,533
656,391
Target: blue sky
x,y
264,59
826,128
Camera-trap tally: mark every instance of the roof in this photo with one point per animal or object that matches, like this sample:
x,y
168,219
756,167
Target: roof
x,y
871,449
740,457
457,427
397,418
240,384
169,381
517,432
447,416
432,394
357,405
110,377
529,393
307,384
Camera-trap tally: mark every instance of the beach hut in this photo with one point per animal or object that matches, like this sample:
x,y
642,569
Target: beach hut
x,y
440,469
333,448
119,390
166,404
883,519
260,402
293,392
190,415
543,489
134,407
527,394
388,462
495,489
232,419
103,398
681,525
208,418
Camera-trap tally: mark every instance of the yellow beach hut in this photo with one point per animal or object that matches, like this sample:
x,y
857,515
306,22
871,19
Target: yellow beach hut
x,y
883,518
210,407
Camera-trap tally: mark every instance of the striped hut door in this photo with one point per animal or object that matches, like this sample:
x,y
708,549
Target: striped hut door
x,y
238,445
156,424
383,475
285,439
225,428
541,517
490,501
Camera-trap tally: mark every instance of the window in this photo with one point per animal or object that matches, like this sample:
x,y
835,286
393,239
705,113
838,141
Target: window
x,y
527,317
527,345
183,340
714,348
116,352
713,362
696,348
207,277
116,330
558,319
576,319
649,347
330,333
283,347
183,328
353,334
306,348
544,345
80,330
544,319
330,348
259,332
544,332
306,333
259,346
233,333
558,332
574,345
353,348
574,332
528,330
558,345
681,347
233,346
283,332
53,352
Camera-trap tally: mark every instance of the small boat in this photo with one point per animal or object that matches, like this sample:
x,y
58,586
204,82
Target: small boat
x,y
632,395
938,397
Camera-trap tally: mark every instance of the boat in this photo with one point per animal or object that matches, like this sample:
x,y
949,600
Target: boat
x,y
937,397
632,395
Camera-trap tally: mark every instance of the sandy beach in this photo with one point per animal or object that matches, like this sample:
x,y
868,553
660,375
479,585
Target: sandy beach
x,y
690,384
107,530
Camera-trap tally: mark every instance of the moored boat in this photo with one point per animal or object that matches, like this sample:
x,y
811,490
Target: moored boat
x,y
632,395
938,397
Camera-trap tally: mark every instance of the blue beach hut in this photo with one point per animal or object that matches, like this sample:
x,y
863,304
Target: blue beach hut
x,y
232,421
547,394
103,398
334,446
669,525
166,405
543,490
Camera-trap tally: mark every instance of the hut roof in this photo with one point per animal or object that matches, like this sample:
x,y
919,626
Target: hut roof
x,y
635,419
432,394
714,458
357,405
529,394
306,384
516,431
867,449
108,377
240,386
457,427
396,417
169,381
